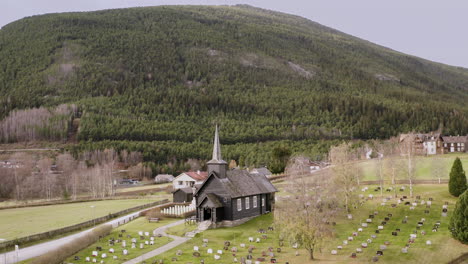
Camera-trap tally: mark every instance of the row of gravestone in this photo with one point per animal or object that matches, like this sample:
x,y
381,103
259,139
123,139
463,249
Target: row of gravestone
x,y
249,259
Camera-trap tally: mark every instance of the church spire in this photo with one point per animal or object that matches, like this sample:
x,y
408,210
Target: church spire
x,y
216,147
217,164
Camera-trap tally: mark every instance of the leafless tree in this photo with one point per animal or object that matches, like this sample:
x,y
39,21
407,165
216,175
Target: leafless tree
x,y
408,150
346,173
304,218
48,181
66,164
438,168
22,166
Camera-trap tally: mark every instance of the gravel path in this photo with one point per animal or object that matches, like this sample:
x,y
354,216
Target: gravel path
x,y
161,230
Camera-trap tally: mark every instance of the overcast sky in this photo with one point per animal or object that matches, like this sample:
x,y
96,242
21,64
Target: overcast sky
x,y
431,29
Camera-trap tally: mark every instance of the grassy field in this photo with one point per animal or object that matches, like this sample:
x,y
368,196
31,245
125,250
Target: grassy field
x,y
132,229
142,187
442,250
424,166
20,222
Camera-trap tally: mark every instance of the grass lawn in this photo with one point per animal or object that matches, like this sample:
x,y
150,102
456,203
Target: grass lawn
x,y
180,230
442,250
132,229
25,221
424,166
142,187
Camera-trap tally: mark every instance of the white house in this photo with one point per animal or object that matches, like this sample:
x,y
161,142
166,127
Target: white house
x,y
189,179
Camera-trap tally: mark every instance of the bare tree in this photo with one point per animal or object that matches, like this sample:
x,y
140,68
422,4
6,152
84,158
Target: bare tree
x,y
67,165
22,166
438,168
345,173
304,219
408,150
48,180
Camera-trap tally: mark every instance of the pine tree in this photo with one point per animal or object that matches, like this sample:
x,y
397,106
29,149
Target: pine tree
x,y
459,221
457,182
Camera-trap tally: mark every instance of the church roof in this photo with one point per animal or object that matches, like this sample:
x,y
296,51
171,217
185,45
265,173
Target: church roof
x,y
239,183
211,200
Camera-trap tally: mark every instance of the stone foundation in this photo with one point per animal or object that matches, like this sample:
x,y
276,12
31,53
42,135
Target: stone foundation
x,y
227,223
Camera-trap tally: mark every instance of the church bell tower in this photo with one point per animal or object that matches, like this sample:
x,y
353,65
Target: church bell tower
x,y
217,164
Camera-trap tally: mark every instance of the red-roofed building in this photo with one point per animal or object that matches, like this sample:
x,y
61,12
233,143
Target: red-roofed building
x,y
189,179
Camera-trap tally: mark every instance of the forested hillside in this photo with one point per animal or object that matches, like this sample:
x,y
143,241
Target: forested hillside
x,y
167,74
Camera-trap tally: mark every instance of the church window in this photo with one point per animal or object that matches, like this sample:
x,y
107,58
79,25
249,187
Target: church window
x,y
255,202
247,203
239,204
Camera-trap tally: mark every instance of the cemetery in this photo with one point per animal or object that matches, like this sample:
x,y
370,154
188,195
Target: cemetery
x,y
124,243
394,234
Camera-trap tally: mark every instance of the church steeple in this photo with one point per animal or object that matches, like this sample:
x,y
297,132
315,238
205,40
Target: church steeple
x,y
217,164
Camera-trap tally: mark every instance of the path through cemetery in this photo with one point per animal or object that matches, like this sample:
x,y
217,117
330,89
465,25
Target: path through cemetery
x,y
40,249
162,230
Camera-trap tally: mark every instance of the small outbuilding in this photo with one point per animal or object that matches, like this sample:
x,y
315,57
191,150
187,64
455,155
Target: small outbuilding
x,y
183,195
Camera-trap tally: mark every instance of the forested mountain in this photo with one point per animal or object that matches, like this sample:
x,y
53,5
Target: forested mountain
x,y
167,74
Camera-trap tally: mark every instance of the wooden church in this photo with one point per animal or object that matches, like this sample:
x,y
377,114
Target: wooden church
x,y
231,197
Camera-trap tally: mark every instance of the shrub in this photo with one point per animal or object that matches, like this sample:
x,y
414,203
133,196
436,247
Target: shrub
x,y
457,182
459,221
60,254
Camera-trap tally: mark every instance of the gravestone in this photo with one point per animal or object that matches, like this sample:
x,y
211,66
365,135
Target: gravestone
x,y
111,250
141,245
404,250
364,245
364,224
375,259
379,253
196,254
195,248
359,250
209,251
428,242
353,255
217,257
125,252
220,252
334,252
394,233
151,242
369,240
374,236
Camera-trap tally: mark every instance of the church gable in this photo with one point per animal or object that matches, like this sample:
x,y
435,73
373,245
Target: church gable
x,y
211,185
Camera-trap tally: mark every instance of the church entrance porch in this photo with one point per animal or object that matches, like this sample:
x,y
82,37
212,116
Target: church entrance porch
x,y
207,214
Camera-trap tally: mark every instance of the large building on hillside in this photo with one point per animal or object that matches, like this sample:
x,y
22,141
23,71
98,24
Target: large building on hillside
x,y
435,143
231,197
455,144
